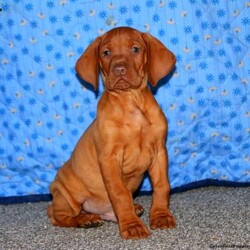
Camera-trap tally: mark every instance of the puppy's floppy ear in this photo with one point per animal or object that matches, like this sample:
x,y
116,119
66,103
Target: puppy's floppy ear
x,y
87,66
160,61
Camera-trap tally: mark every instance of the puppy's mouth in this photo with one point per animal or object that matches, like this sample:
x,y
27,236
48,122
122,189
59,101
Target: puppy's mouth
x,y
122,84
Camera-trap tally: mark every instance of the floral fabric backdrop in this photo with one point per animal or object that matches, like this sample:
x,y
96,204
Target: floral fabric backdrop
x,y
44,109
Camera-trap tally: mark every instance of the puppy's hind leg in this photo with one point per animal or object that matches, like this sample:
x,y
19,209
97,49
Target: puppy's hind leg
x,y
139,210
63,215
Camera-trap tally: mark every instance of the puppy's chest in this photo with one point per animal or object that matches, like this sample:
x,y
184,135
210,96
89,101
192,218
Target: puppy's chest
x,y
141,136
138,124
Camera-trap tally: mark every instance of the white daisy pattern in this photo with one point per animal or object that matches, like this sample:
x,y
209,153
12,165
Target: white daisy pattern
x,y
44,109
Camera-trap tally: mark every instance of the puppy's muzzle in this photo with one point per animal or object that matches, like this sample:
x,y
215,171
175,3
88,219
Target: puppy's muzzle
x,y
121,75
120,69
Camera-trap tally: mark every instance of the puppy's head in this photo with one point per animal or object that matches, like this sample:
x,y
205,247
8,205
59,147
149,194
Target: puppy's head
x,y
127,59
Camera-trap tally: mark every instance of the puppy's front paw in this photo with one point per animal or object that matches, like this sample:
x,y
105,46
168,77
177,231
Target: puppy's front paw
x,y
163,220
134,230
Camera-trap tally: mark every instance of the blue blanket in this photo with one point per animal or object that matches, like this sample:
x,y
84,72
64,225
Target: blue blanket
x,y
44,109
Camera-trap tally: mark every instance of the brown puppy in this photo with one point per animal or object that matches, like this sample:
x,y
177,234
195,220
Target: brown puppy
x,y
126,139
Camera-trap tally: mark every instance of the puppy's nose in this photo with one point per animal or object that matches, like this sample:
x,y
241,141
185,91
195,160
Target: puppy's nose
x,y
120,70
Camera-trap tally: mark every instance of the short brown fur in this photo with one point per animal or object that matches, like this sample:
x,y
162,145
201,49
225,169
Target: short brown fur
x,y
126,139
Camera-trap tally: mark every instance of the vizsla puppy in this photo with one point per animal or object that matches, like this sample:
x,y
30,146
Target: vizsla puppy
x,y
126,139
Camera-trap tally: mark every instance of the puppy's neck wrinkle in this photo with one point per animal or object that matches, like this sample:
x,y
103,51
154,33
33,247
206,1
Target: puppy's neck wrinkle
x,y
129,98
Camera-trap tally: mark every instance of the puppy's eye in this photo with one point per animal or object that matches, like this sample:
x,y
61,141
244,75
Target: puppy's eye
x,y
135,50
106,52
